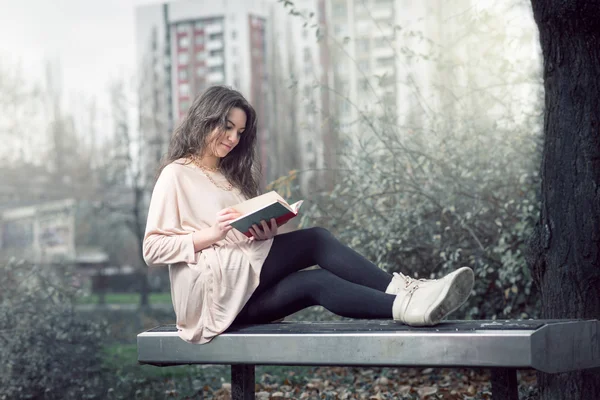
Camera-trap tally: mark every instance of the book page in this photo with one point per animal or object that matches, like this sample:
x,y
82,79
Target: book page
x,y
261,201
296,206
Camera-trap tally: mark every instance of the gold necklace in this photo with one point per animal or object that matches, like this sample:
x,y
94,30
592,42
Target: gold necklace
x,y
204,168
228,187
196,160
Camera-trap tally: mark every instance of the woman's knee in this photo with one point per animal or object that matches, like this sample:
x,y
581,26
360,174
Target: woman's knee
x,y
316,281
320,234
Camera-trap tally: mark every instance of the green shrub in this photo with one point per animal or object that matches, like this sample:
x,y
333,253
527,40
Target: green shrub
x,y
437,159
47,350
427,210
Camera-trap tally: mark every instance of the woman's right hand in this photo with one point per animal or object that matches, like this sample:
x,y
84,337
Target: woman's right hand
x,y
222,226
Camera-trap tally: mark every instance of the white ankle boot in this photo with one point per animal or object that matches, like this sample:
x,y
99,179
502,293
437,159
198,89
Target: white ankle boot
x,y
427,302
401,281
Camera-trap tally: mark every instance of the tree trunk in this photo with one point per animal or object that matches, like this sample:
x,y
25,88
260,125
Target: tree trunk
x,y
144,289
139,225
565,249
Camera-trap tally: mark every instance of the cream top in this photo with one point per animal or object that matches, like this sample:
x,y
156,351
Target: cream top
x,y
208,288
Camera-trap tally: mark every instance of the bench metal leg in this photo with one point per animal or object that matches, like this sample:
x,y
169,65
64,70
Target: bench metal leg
x,y
242,382
504,384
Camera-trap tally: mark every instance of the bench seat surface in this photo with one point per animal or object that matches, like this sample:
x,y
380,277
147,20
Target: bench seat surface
x,y
373,326
547,345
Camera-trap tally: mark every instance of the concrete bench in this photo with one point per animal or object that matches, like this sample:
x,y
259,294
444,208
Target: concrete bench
x,y
551,346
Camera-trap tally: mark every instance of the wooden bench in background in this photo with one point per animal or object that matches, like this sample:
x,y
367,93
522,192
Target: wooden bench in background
x,y
551,346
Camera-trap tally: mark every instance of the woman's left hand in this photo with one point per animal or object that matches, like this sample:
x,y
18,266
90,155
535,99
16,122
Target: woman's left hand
x,y
267,232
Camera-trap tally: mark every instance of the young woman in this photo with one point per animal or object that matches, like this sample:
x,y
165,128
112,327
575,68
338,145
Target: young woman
x,y
219,276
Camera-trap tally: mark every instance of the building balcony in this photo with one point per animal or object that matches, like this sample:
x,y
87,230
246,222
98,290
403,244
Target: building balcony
x,y
383,30
385,51
382,13
216,77
363,27
214,61
214,45
381,70
213,28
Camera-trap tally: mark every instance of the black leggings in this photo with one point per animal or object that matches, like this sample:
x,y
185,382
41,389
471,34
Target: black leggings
x,y
347,284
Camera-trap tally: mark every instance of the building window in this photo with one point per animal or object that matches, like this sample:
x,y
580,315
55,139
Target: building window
x,y
345,108
307,91
362,45
255,22
184,42
183,106
154,40
216,53
363,85
182,28
386,62
199,40
364,66
201,71
308,69
199,25
184,89
216,36
339,10
183,58
233,34
382,42
17,234
307,54
341,67
215,68
308,109
183,75
389,99
201,56
388,80
344,87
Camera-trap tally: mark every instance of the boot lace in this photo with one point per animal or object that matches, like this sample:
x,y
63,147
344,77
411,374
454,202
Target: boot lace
x,y
411,282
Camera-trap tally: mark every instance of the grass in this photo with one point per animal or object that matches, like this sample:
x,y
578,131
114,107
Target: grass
x,y
122,360
124,378
125,298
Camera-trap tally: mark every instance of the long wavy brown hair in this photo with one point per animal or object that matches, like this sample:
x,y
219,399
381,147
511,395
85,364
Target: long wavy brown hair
x,y
209,111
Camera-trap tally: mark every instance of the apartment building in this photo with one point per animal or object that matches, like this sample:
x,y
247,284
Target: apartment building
x,y
299,88
185,46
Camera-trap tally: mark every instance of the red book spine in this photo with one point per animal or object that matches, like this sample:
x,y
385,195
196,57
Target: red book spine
x,y
280,221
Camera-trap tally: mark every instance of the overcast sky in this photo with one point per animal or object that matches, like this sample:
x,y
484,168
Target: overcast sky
x,y
93,39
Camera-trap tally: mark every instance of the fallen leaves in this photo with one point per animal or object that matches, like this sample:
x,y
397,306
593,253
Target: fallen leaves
x,y
378,384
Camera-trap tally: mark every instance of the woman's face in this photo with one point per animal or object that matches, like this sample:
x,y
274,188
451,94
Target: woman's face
x,y
221,143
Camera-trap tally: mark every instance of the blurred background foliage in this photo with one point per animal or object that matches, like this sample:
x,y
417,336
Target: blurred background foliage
x,y
456,183
48,350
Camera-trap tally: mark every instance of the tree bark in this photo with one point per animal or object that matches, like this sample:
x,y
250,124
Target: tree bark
x,y
565,248
139,227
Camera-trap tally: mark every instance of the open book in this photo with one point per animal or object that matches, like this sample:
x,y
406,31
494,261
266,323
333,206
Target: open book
x,y
264,207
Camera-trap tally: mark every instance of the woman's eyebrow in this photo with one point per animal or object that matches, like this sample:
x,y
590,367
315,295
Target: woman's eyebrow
x,y
234,124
